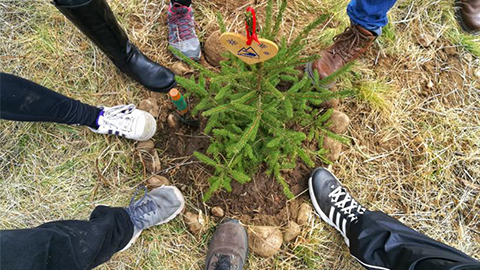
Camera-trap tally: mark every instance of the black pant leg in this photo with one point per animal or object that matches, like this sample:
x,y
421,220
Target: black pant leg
x,y
69,244
379,241
182,2
23,100
71,2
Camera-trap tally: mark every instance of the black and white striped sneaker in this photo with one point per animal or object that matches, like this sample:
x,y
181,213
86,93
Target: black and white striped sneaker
x,y
126,121
333,202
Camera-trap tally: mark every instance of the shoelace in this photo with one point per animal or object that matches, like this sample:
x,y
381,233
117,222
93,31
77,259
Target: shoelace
x,y
119,117
138,210
224,262
182,18
350,38
352,209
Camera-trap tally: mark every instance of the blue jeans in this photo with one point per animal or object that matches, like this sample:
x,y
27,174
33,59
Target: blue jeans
x,y
370,14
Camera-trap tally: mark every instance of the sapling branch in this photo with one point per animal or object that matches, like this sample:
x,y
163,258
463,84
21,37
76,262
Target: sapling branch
x,y
260,114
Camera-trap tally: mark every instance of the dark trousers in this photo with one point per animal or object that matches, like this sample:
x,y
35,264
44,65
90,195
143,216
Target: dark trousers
x,y
67,245
378,241
182,2
23,100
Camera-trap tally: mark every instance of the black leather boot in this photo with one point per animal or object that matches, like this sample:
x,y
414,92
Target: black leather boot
x,y
95,19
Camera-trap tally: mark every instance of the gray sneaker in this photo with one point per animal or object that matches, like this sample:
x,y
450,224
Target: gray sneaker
x,y
181,31
156,207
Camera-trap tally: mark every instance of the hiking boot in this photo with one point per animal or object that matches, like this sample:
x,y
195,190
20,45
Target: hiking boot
x,y
333,202
348,46
228,248
156,207
126,121
469,15
181,31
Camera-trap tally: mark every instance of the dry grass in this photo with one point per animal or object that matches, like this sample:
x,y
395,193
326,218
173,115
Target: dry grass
x,y
415,128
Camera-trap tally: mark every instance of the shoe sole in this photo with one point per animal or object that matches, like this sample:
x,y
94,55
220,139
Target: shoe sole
x,y
461,22
309,72
174,215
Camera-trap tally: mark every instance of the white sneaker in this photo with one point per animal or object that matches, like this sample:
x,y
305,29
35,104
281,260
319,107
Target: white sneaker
x,y
126,121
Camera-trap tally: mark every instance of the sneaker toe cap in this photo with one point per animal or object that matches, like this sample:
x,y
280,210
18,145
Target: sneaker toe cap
x,y
150,126
170,201
147,126
321,176
190,48
230,238
194,55
320,184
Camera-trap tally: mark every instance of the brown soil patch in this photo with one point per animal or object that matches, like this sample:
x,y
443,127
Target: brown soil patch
x,y
262,202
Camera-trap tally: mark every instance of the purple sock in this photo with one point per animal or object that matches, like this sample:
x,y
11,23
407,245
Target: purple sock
x,y
97,125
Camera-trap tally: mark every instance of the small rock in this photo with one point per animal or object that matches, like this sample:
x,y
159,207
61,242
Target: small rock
x,y
265,241
214,49
332,103
291,231
425,40
146,145
157,181
340,122
329,104
217,211
334,148
181,68
151,106
172,121
194,222
304,214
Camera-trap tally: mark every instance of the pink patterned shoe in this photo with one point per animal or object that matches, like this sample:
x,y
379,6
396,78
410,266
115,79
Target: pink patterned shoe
x,y
181,27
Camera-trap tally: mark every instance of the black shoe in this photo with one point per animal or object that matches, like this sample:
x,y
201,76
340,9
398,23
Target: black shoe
x,y
333,202
228,248
96,20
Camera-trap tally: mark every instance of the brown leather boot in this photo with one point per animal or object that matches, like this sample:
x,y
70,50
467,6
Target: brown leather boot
x,y
228,248
348,46
469,15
